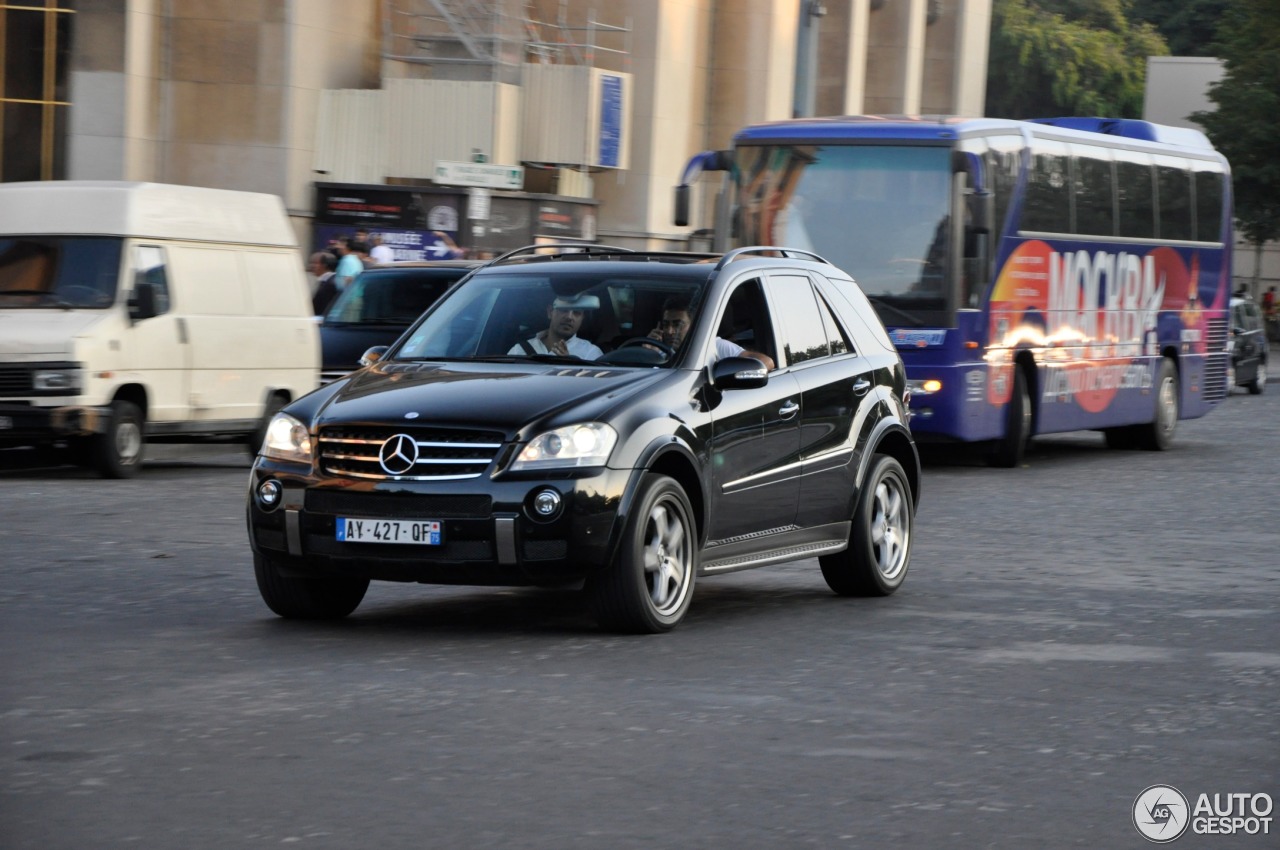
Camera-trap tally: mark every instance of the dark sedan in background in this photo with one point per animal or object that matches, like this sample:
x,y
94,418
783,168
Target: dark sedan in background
x,y
376,309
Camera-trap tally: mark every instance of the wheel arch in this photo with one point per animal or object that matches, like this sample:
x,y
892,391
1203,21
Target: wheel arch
x,y
894,440
136,394
667,456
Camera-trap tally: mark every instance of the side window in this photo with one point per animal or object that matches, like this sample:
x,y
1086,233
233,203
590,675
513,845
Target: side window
x,y
1095,210
1175,199
746,322
1135,187
804,335
149,267
1048,202
1003,162
837,338
1208,187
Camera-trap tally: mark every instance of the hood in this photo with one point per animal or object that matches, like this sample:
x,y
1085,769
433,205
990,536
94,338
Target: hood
x,y
34,335
498,396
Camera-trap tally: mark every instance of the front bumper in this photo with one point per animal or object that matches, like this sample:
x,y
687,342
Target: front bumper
x,y
22,423
490,534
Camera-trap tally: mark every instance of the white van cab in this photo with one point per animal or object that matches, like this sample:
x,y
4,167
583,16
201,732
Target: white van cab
x,y
140,311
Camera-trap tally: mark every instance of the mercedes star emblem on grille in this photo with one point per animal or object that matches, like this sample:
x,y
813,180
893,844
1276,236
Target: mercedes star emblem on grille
x,y
398,454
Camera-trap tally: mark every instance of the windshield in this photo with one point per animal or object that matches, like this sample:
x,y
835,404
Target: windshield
x,y
880,212
391,297
59,271
570,317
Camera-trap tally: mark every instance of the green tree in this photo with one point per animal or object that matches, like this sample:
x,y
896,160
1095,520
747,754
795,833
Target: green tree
x,y
1189,26
1068,57
1244,125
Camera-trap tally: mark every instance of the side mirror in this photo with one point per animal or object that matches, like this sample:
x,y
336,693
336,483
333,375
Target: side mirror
x,y
979,212
373,355
681,218
142,301
739,373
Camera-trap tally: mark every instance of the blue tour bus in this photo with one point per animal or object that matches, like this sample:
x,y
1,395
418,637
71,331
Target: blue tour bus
x,y
1036,276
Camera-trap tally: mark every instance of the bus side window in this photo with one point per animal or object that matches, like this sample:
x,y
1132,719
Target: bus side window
x,y
1095,200
1208,188
1048,202
1174,185
1135,187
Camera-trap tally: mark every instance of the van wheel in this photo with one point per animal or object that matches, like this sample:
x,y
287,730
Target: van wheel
x,y
321,598
879,552
117,452
253,442
648,587
1009,449
1157,436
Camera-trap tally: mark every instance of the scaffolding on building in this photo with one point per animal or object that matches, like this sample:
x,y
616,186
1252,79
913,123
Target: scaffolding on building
x,y
492,39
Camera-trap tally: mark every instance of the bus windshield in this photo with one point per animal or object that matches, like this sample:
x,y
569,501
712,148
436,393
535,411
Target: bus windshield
x,y
878,211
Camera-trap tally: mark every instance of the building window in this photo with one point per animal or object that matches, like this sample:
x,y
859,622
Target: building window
x,y
35,37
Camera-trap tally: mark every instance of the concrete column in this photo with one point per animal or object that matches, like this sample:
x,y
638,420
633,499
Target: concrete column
x,y
971,57
855,77
895,57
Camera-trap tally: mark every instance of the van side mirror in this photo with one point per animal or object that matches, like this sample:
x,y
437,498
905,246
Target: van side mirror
x,y
739,373
373,355
681,218
142,301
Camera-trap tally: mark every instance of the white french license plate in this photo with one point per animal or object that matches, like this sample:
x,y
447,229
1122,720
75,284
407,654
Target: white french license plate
x,y
422,532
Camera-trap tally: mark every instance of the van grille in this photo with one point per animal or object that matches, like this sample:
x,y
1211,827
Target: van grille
x,y
407,454
15,381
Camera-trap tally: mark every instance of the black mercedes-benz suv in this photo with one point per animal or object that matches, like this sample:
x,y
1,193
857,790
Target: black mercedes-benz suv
x,y
624,421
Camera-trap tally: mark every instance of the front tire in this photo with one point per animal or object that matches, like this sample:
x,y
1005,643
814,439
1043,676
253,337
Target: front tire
x,y
1009,450
321,598
879,552
648,587
118,452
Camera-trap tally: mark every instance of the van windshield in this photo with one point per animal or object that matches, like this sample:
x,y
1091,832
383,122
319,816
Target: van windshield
x,y
48,272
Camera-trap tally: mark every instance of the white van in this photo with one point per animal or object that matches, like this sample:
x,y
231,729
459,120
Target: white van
x,y
141,311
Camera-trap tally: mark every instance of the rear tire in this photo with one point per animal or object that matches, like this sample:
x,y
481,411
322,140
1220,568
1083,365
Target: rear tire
x,y
648,587
879,552
118,452
1009,450
306,598
1158,435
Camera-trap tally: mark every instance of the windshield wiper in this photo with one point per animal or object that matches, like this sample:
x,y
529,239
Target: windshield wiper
x,y
910,317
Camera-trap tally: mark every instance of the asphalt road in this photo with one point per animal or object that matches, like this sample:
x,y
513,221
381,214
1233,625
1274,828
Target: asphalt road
x,y
1070,633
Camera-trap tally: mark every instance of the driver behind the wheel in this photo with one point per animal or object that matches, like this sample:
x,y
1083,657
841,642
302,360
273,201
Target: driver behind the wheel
x,y
675,323
564,316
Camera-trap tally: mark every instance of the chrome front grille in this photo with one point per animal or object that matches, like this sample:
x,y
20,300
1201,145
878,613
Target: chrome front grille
x,y
1216,335
1214,386
407,454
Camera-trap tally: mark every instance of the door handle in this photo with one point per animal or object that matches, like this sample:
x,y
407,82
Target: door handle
x,y
861,386
789,410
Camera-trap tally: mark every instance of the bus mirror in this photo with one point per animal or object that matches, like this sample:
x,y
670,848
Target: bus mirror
x,y
682,205
979,212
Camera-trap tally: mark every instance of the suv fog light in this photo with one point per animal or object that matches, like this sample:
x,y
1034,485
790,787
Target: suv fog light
x,y
269,493
546,503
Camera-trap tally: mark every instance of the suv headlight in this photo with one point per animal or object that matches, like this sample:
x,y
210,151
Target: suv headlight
x,y
287,439
65,380
588,444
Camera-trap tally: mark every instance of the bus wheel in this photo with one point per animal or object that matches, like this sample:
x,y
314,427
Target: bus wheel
x,y
1158,435
1009,449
